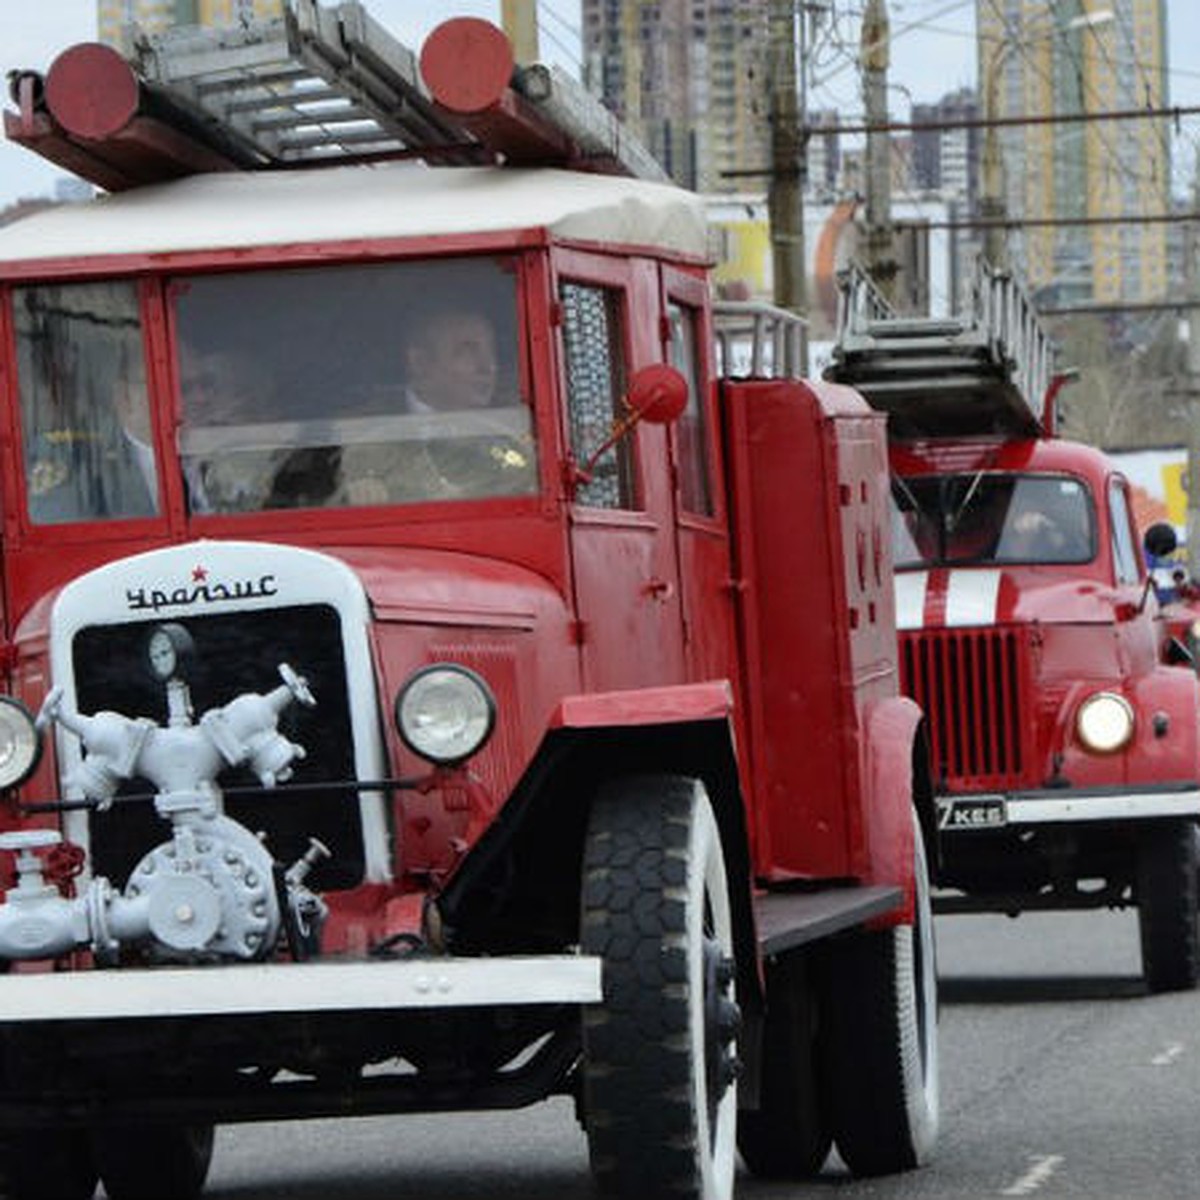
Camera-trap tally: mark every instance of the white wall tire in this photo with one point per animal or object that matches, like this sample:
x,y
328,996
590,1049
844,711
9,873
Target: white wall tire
x,y
660,1096
881,1040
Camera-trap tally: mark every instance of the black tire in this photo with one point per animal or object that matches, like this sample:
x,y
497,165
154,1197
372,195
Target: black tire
x,y
47,1164
152,1162
660,1097
788,1136
881,1040
1167,899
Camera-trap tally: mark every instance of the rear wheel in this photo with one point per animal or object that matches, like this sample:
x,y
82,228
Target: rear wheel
x,y
660,1052
1167,898
881,1010
153,1162
47,1164
788,1136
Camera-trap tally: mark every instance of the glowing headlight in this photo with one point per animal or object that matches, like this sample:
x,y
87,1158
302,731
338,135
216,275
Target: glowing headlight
x,y
20,744
1105,722
445,713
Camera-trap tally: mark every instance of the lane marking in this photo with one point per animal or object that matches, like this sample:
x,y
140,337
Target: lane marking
x,y
1044,1166
1168,1054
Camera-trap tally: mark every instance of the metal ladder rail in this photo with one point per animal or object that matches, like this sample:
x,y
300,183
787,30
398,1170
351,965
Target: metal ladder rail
x,y
1006,312
309,86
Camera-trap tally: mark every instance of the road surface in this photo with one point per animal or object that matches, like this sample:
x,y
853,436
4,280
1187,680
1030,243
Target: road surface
x,y
1060,1078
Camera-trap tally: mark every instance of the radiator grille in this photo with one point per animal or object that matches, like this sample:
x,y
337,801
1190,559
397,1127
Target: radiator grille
x,y
970,684
235,653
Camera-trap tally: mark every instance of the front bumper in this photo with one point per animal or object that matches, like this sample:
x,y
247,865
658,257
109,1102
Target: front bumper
x,y
1008,810
260,989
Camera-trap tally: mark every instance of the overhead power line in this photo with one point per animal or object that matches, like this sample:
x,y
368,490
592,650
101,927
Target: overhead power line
x,y
1039,222
1175,112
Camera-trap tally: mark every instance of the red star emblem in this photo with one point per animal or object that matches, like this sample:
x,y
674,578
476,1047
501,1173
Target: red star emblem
x,y
199,574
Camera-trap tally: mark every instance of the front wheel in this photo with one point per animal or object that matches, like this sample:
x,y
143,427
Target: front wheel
x,y
660,1051
1167,898
881,1010
47,1164
153,1162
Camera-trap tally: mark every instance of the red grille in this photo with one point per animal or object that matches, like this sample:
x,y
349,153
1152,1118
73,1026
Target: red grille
x,y
970,683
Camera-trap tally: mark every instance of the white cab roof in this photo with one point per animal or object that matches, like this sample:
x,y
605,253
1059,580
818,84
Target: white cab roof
x,y
219,211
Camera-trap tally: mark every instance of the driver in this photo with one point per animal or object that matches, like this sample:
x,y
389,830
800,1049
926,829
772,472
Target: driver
x,y
451,365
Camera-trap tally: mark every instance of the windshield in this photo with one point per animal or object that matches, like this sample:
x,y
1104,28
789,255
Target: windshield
x,y
386,383
314,387
991,518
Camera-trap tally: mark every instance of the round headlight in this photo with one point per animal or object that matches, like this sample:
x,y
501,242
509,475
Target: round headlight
x,y
445,713
1105,722
20,743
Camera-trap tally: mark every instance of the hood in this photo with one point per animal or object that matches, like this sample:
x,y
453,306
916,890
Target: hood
x,y
427,586
446,587
946,597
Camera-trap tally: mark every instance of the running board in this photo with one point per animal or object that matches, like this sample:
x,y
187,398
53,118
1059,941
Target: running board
x,y
789,919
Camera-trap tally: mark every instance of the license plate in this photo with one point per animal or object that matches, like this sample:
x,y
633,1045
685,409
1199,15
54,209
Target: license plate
x,y
978,812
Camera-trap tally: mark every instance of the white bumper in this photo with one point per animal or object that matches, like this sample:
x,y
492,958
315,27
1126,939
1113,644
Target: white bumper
x,y
973,814
264,988
1129,806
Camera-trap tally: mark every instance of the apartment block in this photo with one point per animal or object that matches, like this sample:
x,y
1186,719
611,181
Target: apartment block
x,y
1082,58
153,16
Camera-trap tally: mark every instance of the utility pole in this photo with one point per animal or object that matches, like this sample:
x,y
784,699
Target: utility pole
x,y
518,18
881,250
785,192
1192,474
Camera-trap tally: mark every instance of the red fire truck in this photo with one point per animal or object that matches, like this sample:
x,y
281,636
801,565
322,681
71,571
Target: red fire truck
x,y
393,754
1062,716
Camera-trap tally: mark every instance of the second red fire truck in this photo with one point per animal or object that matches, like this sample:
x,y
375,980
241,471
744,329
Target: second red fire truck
x,y
1063,717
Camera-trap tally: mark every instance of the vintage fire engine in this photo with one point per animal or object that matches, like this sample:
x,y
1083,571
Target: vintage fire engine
x,y
368,754
1062,720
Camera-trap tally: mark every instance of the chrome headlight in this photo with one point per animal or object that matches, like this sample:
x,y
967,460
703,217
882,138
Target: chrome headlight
x,y
20,743
1105,722
445,713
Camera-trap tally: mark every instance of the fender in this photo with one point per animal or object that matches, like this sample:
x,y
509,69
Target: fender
x,y
894,783
645,706
688,730
1172,693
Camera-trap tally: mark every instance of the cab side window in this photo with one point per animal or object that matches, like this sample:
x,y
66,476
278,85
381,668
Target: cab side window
x,y
593,352
1125,558
695,488
85,414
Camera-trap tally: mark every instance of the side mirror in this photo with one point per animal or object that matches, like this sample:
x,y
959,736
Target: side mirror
x,y
1160,540
658,394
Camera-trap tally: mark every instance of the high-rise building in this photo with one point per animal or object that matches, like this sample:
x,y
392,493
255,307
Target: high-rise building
x,y
689,76
824,154
942,158
1082,57
154,16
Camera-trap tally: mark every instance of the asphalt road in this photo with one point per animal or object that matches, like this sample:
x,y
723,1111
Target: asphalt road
x,y
1060,1078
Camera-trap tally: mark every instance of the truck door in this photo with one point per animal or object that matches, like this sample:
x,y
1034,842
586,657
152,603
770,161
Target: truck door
x,y
701,523
621,519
